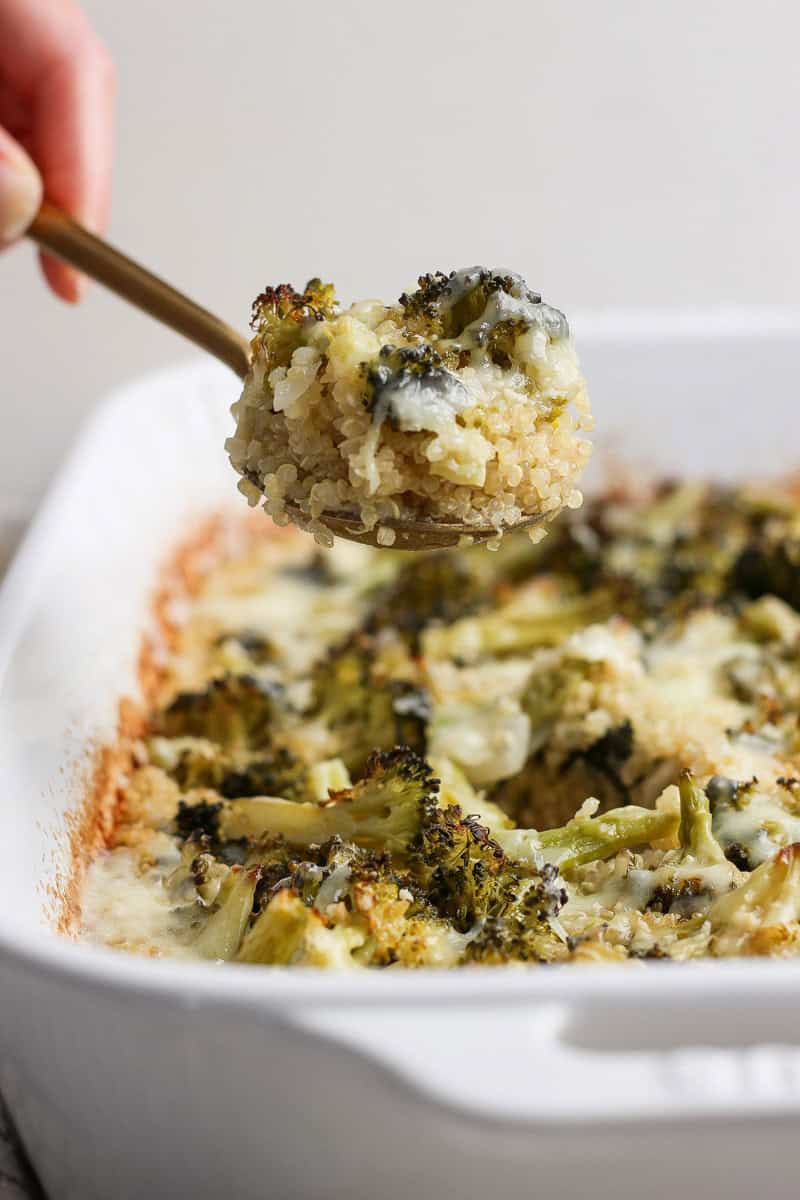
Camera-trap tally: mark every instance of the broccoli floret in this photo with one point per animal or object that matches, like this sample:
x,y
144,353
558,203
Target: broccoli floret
x,y
422,308
399,923
687,878
198,763
767,568
376,932
280,314
198,818
383,810
320,875
750,822
501,338
468,878
524,932
347,907
547,788
363,711
281,773
442,306
659,558
463,873
433,589
455,788
287,931
239,712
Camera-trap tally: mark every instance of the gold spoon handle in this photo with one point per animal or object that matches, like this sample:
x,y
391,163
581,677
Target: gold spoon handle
x,y
57,233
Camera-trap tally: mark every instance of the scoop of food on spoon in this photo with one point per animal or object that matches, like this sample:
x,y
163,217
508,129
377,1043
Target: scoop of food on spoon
x,y
454,416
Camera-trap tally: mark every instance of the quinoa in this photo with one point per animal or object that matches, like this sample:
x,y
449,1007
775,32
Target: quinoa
x,y
462,402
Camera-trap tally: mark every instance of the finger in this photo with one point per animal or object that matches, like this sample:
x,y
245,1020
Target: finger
x,y
72,141
20,189
34,34
14,113
49,54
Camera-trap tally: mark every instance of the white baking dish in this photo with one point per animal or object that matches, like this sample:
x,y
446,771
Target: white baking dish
x,y
131,1078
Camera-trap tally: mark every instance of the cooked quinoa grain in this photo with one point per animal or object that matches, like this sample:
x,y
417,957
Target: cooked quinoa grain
x,y
464,401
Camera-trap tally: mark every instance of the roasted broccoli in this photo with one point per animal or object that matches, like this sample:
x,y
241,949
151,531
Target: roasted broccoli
x,y
468,878
198,763
695,834
373,915
363,710
238,712
279,314
542,792
444,306
543,614
221,935
463,872
384,809
433,589
199,817
587,837
527,930
760,916
769,565
287,931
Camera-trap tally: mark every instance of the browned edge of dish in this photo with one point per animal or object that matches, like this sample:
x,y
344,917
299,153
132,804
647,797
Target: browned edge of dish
x,y
90,826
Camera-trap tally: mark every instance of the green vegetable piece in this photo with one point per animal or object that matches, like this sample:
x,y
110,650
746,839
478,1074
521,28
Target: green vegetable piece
x,y
771,894
585,839
383,810
222,934
694,833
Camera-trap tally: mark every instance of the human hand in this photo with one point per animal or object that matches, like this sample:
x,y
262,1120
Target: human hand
x,y
57,88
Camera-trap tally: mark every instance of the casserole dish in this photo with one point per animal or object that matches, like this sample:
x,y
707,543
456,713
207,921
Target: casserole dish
x,y
134,1078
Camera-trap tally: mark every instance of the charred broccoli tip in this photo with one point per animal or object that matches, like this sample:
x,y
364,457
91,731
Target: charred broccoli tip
x,y
201,818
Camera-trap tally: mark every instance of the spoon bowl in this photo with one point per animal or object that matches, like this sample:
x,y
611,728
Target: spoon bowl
x,y
410,535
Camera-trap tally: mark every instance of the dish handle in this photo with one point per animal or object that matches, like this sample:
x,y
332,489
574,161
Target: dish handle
x,y
549,1063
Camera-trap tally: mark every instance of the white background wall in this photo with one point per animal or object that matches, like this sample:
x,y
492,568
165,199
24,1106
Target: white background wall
x,y
617,152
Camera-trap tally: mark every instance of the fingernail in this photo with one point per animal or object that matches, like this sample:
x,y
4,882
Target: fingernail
x,y
20,191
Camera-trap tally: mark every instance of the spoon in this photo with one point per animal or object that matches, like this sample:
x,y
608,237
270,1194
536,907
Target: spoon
x,y
63,237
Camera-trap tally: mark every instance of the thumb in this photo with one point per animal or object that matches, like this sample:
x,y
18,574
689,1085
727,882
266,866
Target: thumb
x,y
20,189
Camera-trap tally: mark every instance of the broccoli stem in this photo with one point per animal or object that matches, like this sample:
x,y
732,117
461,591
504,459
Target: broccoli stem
x,y
695,834
770,896
224,930
517,628
303,823
286,931
585,839
383,811
278,933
